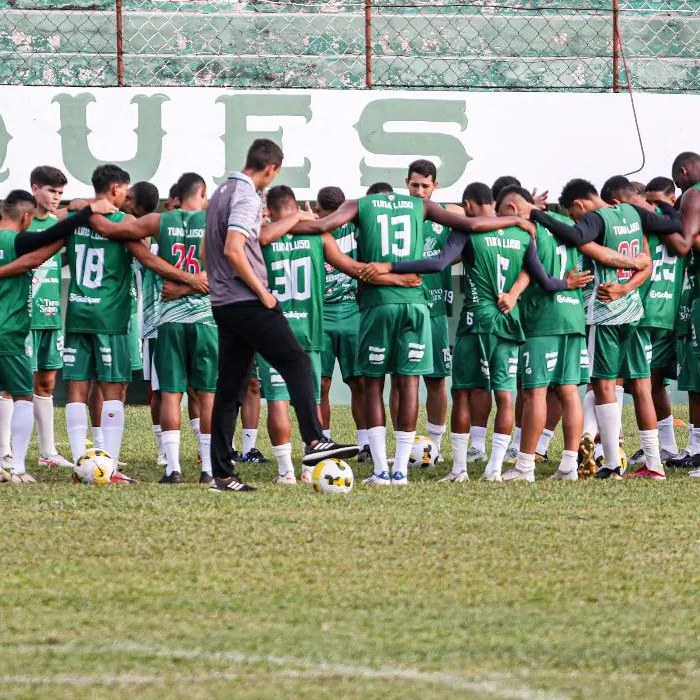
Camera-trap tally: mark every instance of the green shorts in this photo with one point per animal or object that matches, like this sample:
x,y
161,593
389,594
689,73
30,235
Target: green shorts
x,y
96,356
619,351
47,348
135,346
663,351
187,354
16,374
395,339
484,361
274,388
442,354
341,331
553,360
688,366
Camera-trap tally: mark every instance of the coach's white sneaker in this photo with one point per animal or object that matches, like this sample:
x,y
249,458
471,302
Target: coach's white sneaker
x,y
516,474
454,477
564,476
474,455
287,479
23,478
381,479
54,461
306,475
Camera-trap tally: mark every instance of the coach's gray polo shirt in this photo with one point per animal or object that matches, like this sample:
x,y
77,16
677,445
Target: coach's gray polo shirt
x,y
234,206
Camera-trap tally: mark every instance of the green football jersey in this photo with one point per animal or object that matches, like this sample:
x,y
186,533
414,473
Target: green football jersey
x,y
390,230
492,269
438,285
661,292
179,242
16,303
684,306
151,287
99,296
296,275
46,285
561,313
339,286
586,264
623,234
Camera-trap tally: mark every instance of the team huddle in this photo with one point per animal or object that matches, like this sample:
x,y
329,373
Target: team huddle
x,y
600,293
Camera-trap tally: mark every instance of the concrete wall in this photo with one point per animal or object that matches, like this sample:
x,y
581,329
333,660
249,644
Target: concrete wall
x,y
299,44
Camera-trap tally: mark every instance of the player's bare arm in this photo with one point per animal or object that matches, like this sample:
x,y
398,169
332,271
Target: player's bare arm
x,y
690,219
234,250
27,262
611,258
276,229
507,300
345,213
155,263
612,291
476,224
129,229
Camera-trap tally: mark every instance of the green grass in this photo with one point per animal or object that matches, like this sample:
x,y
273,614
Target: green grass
x,y
557,590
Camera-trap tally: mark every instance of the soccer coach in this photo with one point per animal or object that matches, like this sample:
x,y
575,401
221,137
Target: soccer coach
x,y
249,319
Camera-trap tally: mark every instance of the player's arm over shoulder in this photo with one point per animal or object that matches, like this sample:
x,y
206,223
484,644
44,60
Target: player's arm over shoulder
x,y
128,229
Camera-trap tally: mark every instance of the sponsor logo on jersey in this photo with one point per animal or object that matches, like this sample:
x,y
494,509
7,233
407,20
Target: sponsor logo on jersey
x,y
510,243
660,295
290,246
296,315
80,299
567,300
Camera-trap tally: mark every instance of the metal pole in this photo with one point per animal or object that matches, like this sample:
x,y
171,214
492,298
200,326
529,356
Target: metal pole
x,y
120,44
368,43
616,45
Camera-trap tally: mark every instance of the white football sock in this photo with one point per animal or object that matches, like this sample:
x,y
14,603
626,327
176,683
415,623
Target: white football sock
x,y
6,408
696,440
460,444
569,462
283,456
525,463
543,442
326,433
158,434
478,434
590,418
435,433
667,435
620,396
362,438
21,427
377,446
649,440
404,442
250,436
98,439
690,445
205,452
43,415
515,442
77,426
171,447
609,425
499,445
113,428
194,422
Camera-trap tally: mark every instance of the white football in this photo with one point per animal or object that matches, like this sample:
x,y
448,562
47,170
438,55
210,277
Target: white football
x,y
94,467
332,476
424,453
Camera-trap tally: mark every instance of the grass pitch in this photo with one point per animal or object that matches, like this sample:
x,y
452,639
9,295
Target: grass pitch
x,y
557,590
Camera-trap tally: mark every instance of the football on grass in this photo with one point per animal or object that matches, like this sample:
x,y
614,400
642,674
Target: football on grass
x,y
332,476
94,467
